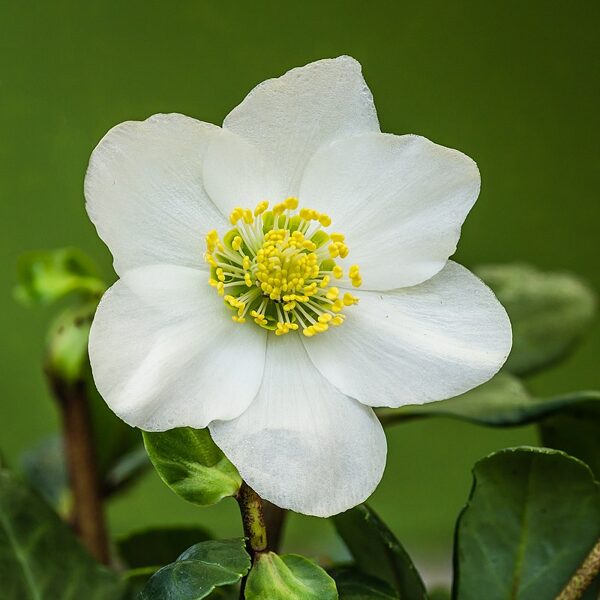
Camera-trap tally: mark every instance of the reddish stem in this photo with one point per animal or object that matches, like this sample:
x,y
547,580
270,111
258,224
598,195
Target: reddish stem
x,y
88,511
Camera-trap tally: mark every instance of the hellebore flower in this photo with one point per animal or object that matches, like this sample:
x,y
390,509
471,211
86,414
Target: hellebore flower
x,y
283,274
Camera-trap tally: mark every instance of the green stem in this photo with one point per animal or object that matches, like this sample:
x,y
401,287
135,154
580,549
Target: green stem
x,y
251,507
583,577
253,520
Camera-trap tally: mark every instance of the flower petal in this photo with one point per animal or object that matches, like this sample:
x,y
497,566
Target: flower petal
x,y
400,201
235,173
416,345
165,352
289,118
302,444
144,192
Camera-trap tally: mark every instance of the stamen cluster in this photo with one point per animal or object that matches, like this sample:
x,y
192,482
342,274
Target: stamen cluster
x,y
276,266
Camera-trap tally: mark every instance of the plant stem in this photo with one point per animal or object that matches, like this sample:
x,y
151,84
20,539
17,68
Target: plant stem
x,y
88,512
583,577
251,507
253,520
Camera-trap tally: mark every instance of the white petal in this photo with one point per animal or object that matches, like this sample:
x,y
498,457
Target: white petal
x,y
400,201
302,444
236,173
290,117
165,352
416,345
144,192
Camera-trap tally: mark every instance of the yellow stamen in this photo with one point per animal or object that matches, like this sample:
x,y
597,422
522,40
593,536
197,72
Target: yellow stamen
x,y
260,208
281,278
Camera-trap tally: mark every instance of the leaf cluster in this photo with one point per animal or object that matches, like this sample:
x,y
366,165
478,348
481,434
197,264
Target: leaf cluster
x,y
532,516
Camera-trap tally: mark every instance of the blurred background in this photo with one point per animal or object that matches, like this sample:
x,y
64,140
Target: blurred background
x,y
514,85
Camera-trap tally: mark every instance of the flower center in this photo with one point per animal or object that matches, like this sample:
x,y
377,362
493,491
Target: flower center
x,y
277,265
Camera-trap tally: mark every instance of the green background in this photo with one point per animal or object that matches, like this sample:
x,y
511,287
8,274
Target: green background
x,y
512,84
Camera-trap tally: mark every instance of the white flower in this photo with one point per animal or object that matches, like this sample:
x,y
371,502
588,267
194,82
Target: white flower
x,y
290,409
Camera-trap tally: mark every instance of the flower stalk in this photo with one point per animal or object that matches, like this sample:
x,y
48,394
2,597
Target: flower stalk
x,y
253,519
88,513
583,577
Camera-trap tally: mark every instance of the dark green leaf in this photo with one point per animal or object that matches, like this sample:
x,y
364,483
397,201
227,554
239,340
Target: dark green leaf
x,y
353,584
158,547
191,464
227,592
501,402
288,577
576,431
136,579
377,552
549,313
199,570
44,468
48,275
532,517
40,559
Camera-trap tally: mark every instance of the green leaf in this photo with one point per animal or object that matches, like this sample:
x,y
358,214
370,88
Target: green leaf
x,y
288,577
549,313
532,517
191,464
146,551
67,343
576,430
44,469
501,402
40,558
48,275
158,547
353,584
199,570
136,579
377,552
227,592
